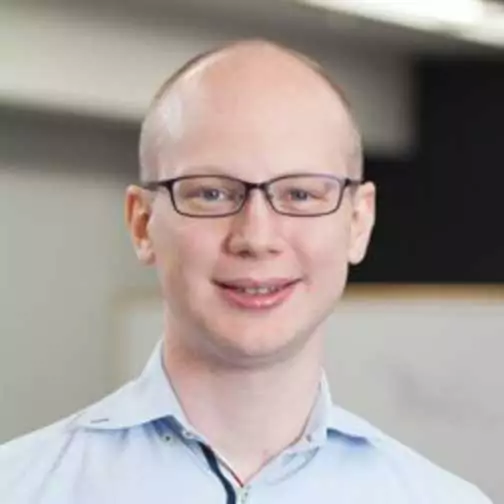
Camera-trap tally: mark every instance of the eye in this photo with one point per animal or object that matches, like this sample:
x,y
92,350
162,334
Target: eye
x,y
212,194
299,195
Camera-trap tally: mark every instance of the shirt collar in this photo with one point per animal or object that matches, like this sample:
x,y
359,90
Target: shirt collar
x,y
148,398
151,397
327,419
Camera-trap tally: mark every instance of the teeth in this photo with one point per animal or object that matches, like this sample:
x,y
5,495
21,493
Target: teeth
x,y
259,290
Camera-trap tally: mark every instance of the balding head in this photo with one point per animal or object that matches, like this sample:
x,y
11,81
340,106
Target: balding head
x,y
258,81
256,125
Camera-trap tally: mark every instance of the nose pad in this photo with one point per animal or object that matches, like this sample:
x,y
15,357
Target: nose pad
x,y
258,195
253,231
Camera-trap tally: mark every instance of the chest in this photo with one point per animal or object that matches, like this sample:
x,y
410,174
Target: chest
x,y
166,470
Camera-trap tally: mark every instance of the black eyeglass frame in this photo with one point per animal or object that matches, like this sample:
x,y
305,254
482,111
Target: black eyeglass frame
x,y
250,186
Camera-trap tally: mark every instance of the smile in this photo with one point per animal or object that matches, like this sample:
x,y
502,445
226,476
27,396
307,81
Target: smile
x,y
256,295
254,291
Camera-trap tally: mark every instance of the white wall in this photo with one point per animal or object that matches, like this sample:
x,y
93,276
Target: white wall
x,y
64,256
427,368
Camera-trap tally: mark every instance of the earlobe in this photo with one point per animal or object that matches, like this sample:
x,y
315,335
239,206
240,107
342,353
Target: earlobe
x,y
356,250
362,223
143,244
137,218
356,255
145,253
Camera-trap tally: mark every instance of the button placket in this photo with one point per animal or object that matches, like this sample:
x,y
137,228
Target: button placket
x,y
243,495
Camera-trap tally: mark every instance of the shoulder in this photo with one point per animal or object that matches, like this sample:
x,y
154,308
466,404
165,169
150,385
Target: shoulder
x,y
424,478
57,438
54,457
28,460
40,439
413,473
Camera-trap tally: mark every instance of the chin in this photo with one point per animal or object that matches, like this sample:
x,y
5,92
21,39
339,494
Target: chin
x,y
251,358
249,346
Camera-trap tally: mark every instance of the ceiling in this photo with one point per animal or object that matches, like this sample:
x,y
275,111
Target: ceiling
x,y
319,22
302,17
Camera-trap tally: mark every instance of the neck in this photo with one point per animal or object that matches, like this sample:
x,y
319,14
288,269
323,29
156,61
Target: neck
x,y
248,415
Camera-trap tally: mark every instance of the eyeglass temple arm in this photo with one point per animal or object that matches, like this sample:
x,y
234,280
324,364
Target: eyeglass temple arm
x,y
153,185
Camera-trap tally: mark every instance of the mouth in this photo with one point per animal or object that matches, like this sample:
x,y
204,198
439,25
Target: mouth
x,y
255,294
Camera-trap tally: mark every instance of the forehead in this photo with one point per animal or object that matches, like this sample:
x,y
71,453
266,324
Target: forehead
x,y
262,105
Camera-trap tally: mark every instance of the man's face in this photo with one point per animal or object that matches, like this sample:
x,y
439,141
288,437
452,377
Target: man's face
x,y
255,135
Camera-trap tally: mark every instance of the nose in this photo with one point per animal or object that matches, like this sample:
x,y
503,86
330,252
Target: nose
x,y
254,231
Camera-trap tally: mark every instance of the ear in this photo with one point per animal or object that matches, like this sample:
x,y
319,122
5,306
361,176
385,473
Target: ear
x,y
362,223
137,212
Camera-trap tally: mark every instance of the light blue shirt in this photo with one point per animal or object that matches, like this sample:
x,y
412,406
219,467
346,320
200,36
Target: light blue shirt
x,y
137,447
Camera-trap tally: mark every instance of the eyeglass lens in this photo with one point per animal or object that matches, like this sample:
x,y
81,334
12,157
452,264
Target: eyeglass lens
x,y
297,195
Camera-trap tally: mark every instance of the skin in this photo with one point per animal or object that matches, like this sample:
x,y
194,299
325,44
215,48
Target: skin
x,y
254,112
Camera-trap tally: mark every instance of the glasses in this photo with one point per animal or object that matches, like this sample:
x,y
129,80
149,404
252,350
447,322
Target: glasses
x,y
309,195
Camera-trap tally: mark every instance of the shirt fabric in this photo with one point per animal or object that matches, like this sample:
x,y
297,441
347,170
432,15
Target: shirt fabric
x,y
137,447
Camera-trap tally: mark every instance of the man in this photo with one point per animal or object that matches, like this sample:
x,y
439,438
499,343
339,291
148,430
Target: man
x,y
251,209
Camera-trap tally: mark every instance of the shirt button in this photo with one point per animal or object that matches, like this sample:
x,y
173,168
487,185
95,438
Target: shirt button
x,y
243,495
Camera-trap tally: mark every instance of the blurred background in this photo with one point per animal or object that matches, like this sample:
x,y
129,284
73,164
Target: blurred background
x,y
416,347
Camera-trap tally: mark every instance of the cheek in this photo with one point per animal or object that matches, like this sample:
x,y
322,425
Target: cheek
x,y
185,251
323,251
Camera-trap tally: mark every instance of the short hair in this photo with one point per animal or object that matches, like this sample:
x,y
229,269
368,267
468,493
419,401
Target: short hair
x,y
356,155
